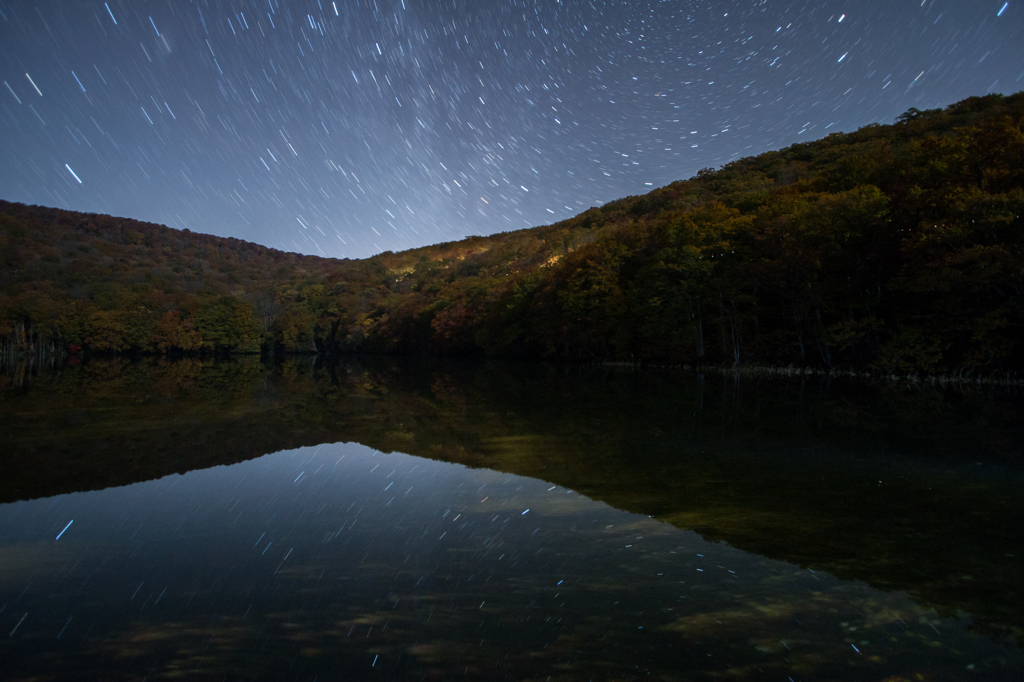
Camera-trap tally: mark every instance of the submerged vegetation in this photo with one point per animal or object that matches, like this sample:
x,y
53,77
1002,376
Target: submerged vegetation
x,y
893,249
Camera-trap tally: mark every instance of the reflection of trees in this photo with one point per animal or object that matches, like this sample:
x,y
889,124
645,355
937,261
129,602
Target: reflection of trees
x,y
861,481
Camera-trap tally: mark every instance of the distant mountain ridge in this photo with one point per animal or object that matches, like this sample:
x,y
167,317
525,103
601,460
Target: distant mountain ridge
x,y
895,248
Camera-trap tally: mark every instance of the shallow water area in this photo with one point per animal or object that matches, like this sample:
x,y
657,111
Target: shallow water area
x,y
340,562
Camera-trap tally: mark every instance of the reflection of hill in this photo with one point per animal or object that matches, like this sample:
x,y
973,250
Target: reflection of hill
x,y
916,491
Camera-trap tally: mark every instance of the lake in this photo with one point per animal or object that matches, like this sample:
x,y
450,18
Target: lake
x,y
449,520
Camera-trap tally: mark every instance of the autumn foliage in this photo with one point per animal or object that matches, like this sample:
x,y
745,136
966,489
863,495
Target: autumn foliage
x,y
894,248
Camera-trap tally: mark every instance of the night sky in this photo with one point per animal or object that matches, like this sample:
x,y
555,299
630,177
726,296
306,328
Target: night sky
x,y
350,127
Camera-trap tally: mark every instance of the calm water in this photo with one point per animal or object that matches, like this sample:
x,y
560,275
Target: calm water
x,y
607,526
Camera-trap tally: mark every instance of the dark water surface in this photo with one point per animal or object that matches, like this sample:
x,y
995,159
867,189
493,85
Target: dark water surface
x,y
374,520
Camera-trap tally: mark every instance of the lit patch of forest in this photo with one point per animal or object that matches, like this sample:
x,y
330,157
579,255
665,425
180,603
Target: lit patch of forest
x,y
895,248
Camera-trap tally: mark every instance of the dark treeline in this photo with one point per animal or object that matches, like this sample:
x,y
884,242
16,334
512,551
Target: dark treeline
x,y
892,249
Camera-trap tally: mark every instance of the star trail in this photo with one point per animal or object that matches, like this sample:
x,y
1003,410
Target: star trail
x,y
346,128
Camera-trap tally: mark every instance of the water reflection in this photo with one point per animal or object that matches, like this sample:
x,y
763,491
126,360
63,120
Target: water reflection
x,y
341,562
914,491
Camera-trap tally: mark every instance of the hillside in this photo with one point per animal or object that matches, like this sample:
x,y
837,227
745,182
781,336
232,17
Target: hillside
x,y
895,248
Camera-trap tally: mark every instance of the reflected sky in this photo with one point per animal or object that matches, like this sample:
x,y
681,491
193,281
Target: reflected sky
x,y
340,562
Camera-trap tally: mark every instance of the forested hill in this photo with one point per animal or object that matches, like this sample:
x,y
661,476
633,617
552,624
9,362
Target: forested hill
x,y
894,248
